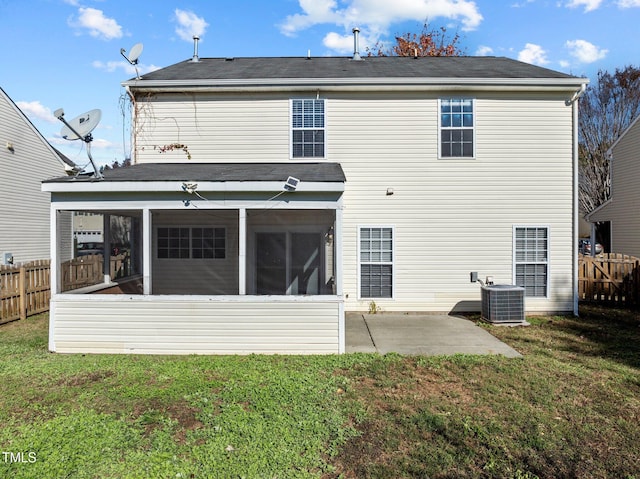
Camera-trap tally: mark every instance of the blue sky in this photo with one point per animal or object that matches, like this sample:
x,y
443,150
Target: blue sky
x,y
66,53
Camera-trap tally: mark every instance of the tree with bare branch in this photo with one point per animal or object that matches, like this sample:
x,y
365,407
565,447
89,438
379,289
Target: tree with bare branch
x,y
607,108
428,43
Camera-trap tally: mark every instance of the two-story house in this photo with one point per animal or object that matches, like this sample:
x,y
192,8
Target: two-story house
x,y
269,196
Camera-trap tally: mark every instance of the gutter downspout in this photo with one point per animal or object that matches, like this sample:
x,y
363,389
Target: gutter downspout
x,y
576,210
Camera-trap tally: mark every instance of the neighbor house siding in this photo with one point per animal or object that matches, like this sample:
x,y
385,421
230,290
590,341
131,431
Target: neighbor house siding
x,y
450,216
25,212
624,206
195,325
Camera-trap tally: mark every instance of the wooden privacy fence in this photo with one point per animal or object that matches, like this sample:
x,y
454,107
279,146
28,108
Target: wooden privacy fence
x,y
24,290
88,270
609,278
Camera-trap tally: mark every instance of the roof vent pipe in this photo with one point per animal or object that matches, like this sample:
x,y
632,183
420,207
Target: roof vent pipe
x,y
195,58
356,44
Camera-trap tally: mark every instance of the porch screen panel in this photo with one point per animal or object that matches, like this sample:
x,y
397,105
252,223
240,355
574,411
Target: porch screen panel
x,y
271,263
305,263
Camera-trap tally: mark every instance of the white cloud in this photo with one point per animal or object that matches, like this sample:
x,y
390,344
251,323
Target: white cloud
x,y
589,5
628,3
98,25
124,66
36,110
375,16
534,54
189,24
585,52
339,43
484,51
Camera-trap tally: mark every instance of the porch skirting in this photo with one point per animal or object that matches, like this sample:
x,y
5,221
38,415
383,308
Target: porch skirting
x,y
171,324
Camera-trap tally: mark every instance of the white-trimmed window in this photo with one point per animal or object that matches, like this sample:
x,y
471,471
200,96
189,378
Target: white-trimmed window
x,y
531,260
376,262
457,120
191,242
307,128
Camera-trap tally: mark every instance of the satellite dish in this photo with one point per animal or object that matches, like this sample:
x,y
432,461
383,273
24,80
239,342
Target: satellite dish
x,y
80,128
81,125
133,56
134,53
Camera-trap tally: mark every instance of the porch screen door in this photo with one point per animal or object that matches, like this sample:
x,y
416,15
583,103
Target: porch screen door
x,y
305,263
271,263
288,263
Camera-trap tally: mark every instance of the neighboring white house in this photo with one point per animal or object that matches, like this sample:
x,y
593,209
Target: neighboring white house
x,y
623,207
271,195
26,159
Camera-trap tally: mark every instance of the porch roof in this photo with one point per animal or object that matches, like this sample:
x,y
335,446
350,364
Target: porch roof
x,y
316,172
209,177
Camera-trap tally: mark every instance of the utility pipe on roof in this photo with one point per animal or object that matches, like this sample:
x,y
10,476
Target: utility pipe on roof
x,y
356,44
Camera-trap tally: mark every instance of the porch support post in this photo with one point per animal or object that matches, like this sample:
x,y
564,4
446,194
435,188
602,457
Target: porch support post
x,y
146,251
337,241
106,253
54,271
242,251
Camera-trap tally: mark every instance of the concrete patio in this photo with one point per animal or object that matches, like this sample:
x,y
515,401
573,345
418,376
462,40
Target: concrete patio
x,y
427,334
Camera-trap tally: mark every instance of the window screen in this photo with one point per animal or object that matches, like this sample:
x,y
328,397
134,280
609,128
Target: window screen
x,y
456,128
376,262
532,260
307,123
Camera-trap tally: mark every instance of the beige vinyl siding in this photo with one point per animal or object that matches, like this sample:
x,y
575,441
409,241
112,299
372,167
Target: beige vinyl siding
x,y
194,325
25,212
224,128
197,276
450,216
624,208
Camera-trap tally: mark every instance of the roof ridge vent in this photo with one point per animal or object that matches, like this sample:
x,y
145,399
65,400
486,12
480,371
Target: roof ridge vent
x,y
356,44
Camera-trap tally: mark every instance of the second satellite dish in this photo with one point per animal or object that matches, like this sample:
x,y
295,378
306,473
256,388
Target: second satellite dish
x,y
133,56
81,125
134,53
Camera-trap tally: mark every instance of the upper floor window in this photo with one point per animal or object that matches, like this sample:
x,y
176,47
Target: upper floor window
x,y
307,129
456,128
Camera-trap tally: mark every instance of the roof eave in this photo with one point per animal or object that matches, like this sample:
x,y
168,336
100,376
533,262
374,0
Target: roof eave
x,y
424,83
97,186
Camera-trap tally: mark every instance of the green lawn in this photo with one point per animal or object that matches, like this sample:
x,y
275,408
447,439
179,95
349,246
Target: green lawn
x,y
569,408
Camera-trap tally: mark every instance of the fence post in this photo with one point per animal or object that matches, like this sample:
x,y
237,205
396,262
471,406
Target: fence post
x,y
23,292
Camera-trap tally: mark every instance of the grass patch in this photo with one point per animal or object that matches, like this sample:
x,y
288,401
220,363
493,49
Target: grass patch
x,y
568,408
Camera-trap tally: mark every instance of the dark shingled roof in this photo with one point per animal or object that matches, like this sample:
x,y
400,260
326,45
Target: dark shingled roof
x,y
346,68
312,172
